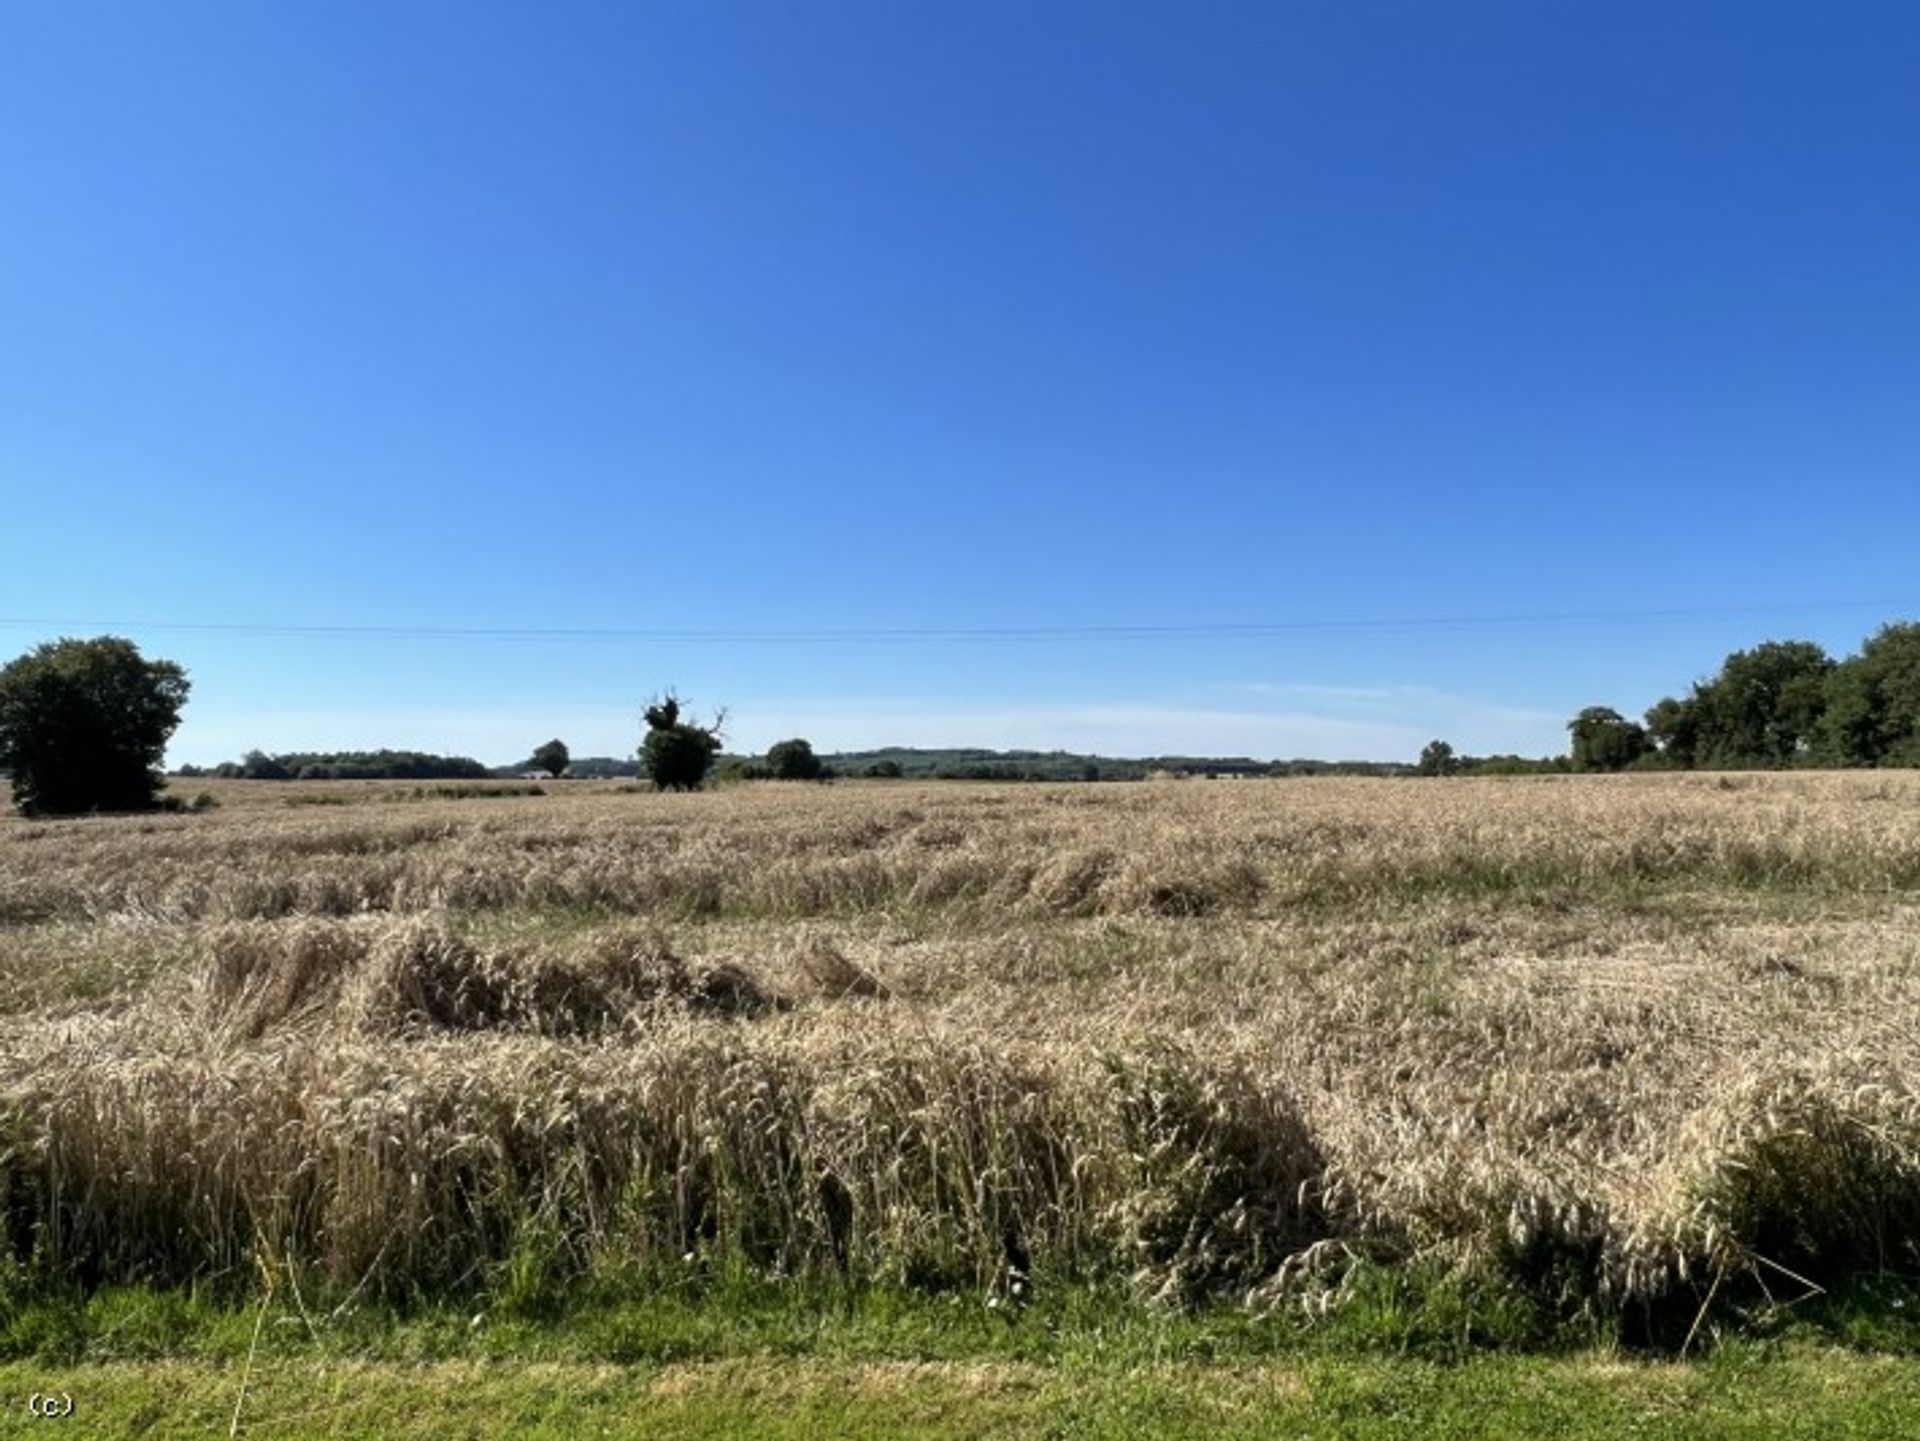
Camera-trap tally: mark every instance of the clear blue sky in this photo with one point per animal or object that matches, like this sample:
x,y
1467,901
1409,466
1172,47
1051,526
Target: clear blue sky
x,y
836,316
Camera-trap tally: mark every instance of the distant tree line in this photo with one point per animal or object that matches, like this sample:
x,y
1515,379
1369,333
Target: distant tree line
x,y
1439,759
788,760
579,768
796,760
381,765
974,764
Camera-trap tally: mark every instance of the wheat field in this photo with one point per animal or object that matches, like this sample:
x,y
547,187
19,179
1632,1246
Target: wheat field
x,y
1619,1042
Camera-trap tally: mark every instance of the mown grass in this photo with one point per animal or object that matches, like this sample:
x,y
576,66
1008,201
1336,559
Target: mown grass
x,y
1800,1395
722,1359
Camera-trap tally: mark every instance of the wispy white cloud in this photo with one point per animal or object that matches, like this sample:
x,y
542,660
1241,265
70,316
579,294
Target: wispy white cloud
x,y
1357,695
1472,723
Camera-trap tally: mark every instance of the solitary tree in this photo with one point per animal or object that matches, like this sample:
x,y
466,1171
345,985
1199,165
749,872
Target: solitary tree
x,y
793,760
1438,759
1604,740
551,757
676,755
84,723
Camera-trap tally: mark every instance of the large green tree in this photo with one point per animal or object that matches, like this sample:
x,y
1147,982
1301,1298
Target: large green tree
x,y
1604,740
1673,730
84,724
793,760
551,757
1763,708
1872,715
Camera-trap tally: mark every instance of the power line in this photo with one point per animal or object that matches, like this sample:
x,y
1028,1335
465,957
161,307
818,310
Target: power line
x,y
893,635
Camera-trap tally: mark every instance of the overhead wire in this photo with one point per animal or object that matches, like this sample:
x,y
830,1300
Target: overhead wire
x,y
962,634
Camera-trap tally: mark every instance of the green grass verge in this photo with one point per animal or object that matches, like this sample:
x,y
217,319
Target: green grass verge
x,y
725,1356
1796,1393
719,1315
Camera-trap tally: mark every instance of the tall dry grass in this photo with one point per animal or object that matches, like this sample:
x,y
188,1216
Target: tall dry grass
x,y
1618,1041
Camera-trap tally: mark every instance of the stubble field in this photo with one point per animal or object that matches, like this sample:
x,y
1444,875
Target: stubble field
x,y
1638,1051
